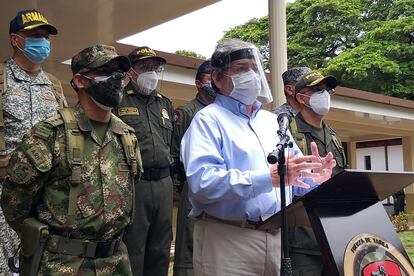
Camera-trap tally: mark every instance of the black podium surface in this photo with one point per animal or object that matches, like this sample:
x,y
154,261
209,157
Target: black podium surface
x,y
350,223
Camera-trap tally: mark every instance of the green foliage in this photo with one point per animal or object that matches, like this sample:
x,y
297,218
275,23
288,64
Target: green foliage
x,y
407,239
187,53
382,62
401,221
366,44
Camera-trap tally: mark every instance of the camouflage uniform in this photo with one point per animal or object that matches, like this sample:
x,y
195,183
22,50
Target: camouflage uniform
x,y
26,101
149,237
183,255
38,185
285,108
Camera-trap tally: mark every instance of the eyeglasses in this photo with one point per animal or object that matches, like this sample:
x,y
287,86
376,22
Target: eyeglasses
x,y
104,74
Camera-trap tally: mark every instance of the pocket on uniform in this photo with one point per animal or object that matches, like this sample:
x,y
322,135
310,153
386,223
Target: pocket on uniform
x,y
167,128
137,124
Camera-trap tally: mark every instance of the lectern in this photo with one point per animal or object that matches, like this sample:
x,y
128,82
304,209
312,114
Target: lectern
x,y
353,230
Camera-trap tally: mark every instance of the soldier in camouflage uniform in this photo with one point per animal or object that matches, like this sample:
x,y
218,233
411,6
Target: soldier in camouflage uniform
x,y
29,96
183,255
151,115
75,173
307,126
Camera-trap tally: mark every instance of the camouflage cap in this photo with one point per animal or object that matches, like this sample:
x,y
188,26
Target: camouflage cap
x,y
97,56
292,75
28,20
144,52
313,78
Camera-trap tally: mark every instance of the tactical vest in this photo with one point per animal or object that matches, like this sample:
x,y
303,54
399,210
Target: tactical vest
x,y
57,91
300,140
74,147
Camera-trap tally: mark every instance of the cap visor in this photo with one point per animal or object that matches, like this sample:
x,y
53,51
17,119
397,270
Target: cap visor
x,y
51,29
123,63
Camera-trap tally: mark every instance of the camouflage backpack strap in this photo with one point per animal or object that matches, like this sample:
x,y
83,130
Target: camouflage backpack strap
x,y
74,153
57,90
131,156
4,159
299,138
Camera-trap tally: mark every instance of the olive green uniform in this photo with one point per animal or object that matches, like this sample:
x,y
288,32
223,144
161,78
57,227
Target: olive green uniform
x,y
303,247
149,238
183,256
84,194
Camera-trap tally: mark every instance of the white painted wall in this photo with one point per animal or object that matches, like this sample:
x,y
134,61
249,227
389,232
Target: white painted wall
x,y
395,161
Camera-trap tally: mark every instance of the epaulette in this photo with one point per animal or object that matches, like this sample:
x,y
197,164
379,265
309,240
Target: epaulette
x,y
159,95
44,129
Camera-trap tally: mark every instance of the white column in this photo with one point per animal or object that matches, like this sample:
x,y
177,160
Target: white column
x,y
278,49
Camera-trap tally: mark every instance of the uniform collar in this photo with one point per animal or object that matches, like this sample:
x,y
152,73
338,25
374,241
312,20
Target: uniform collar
x,y
322,134
237,107
85,125
20,74
130,91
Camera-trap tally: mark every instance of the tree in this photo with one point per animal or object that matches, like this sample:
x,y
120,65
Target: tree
x,y
357,40
383,62
187,53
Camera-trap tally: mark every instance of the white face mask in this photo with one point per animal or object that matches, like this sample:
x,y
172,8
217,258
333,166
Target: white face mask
x,y
320,102
246,87
147,82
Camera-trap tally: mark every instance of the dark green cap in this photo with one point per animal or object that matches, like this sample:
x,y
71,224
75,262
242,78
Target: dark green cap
x,y
313,78
141,53
97,56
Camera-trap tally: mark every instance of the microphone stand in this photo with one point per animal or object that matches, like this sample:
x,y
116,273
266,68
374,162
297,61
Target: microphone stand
x,y
278,155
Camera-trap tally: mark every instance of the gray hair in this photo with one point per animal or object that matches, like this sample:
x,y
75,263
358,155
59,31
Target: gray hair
x,y
221,56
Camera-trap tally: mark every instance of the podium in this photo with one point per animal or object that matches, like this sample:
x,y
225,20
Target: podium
x,y
352,228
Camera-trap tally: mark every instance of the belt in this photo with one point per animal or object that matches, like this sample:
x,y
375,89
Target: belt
x,y
239,223
82,248
155,173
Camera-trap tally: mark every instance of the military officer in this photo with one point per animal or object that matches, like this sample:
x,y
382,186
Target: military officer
x,y
308,101
73,174
183,256
151,115
29,96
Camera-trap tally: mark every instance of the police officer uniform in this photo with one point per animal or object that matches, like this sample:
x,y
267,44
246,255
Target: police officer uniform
x,y
183,255
149,238
303,248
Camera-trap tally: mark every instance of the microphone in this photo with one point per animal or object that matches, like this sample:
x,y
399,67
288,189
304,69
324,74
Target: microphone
x,y
283,119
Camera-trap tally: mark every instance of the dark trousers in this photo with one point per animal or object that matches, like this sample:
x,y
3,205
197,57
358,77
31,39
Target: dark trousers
x,y
304,252
183,256
148,239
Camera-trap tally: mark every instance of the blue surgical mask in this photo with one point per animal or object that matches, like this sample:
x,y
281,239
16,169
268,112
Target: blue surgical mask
x,y
36,49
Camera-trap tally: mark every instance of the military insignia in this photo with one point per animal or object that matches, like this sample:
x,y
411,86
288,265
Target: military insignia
x,y
20,173
368,255
39,159
164,113
128,111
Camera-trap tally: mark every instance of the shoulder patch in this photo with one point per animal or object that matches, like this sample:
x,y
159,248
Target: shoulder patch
x,y
128,111
39,158
164,114
20,173
130,92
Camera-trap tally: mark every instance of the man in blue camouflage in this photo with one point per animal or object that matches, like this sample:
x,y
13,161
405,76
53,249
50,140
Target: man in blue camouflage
x,y
29,96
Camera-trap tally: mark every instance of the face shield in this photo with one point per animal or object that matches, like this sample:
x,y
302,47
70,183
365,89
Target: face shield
x,y
243,60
